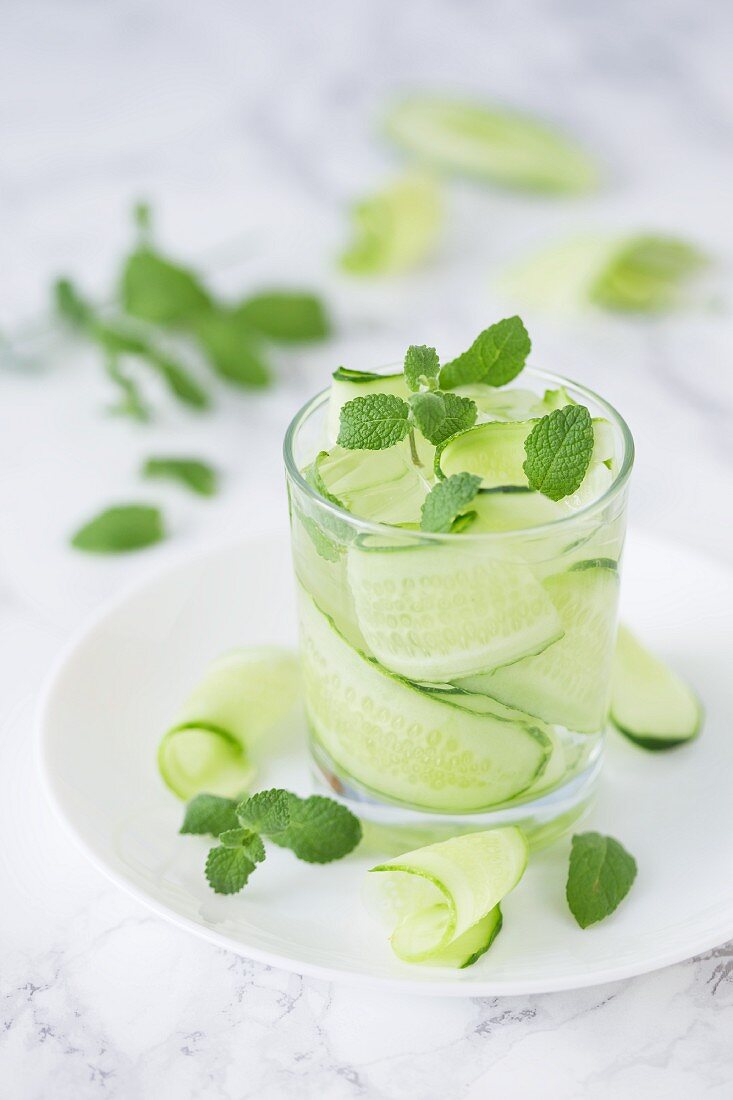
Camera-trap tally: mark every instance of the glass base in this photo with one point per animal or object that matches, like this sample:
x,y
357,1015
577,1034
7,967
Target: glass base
x,y
391,829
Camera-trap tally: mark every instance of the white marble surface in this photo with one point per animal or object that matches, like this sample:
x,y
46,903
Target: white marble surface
x,y
252,123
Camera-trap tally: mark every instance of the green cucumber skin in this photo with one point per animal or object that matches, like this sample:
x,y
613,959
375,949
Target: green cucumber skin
x,y
359,377
656,744
492,936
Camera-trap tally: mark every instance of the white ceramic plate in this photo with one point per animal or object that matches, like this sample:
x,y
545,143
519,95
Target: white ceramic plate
x,y
119,684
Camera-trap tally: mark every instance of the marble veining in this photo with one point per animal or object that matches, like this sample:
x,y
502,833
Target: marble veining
x,y
251,126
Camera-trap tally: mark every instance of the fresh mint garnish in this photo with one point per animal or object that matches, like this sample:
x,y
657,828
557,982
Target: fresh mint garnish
x,y
559,450
228,869
495,357
421,367
120,529
600,876
210,813
373,422
315,829
249,842
232,349
286,316
447,500
196,475
440,415
159,291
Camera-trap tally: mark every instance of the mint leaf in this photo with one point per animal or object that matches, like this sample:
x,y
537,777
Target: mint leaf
x,y
196,475
228,869
209,813
374,422
69,303
287,316
161,292
266,812
117,530
441,415
558,450
178,380
447,500
428,412
600,876
319,829
460,413
495,357
231,349
250,843
421,366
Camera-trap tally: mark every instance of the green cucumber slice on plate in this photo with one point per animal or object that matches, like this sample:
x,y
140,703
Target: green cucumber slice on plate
x,y
489,143
347,384
382,486
396,740
434,897
567,684
437,613
651,704
242,696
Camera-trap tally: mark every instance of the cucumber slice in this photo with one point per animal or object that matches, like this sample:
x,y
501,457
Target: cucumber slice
x,y
433,897
650,703
436,613
567,684
501,404
514,404
192,759
347,384
396,228
499,510
494,451
399,742
240,699
383,486
490,143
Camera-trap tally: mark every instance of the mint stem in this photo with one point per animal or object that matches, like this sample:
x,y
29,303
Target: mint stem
x,y
413,449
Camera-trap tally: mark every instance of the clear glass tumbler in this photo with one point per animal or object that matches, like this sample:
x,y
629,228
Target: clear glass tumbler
x,y
402,726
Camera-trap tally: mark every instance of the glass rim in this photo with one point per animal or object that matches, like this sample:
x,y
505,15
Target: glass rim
x,y
374,527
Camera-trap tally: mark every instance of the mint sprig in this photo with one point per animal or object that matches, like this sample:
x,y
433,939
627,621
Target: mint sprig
x,y
495,357
600,875
559,450
447,500
315,829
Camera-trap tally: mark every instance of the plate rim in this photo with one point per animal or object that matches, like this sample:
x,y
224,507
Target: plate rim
x,y
445,987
